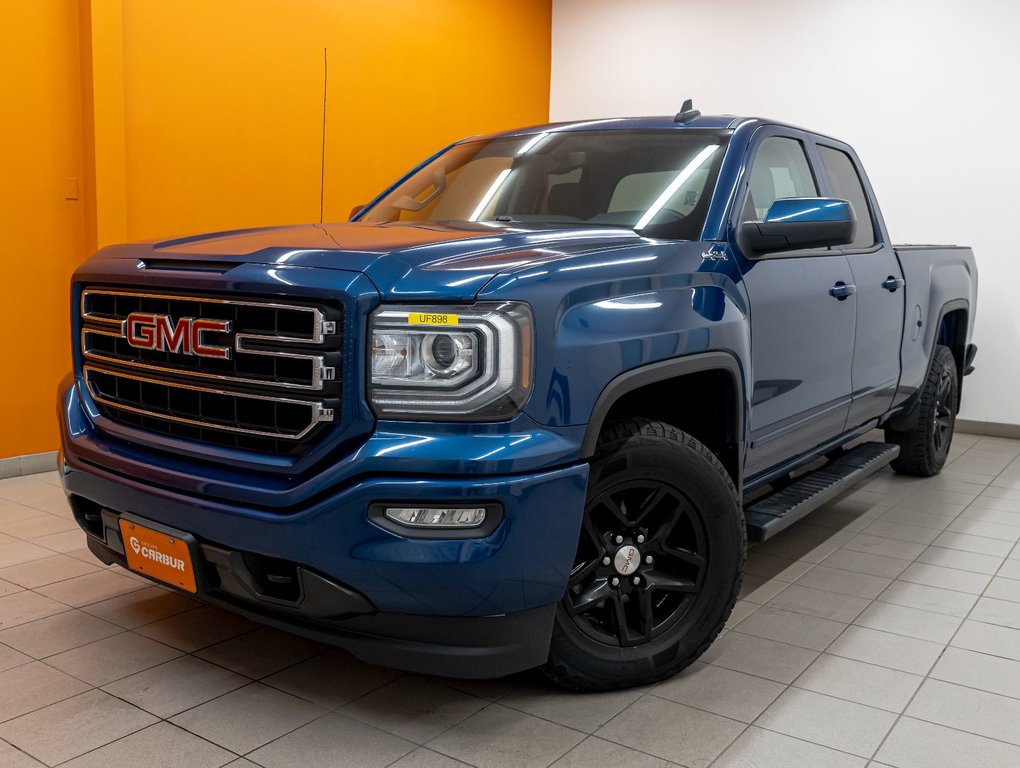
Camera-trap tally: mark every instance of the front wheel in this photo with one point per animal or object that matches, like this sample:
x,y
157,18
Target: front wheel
x,y
925,448
658,565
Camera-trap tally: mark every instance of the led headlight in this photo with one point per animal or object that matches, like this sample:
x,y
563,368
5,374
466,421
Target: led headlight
x,y
451,362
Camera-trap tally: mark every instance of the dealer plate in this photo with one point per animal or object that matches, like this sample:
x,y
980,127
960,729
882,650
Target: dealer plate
x,y
162,556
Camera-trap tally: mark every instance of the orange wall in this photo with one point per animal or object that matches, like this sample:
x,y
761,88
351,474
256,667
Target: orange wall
x,y
41,232
199,115
223,100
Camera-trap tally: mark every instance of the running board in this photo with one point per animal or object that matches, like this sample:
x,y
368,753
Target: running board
x,y
772,514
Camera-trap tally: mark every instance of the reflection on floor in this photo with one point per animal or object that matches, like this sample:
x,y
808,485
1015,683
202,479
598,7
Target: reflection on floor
x,y
884,627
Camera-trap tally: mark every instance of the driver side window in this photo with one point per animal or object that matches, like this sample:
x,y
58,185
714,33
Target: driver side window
x,y
780,169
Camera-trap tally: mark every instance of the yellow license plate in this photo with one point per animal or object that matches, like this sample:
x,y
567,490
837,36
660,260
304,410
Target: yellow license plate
x,y
159,555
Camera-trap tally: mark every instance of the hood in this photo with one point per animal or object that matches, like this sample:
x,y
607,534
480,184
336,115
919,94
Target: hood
x,y
403,260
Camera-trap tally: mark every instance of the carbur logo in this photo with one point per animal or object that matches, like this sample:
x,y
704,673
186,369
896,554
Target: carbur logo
x,y
150,553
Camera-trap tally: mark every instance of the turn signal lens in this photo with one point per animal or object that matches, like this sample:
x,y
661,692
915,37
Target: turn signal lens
x,y
437,517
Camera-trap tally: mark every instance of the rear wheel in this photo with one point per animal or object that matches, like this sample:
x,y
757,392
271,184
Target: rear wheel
x,y
925,448
658,564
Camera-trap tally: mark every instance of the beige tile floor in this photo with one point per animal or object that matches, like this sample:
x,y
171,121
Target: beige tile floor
x,y
882,630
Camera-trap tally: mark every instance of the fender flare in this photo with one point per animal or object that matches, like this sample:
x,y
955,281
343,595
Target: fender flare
x,y
661,371
906,418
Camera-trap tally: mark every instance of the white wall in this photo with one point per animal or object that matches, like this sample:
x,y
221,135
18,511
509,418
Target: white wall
x,y
928,94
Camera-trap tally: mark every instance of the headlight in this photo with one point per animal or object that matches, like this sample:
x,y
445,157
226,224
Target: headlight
x,y
451,363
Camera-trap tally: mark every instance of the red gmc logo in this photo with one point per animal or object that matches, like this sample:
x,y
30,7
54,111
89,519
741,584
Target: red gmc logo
x,y
161,333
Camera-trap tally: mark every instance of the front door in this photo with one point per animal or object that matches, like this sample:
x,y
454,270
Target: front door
x,y
802,336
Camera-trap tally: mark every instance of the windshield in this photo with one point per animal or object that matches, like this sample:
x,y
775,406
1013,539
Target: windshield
x,y
657,182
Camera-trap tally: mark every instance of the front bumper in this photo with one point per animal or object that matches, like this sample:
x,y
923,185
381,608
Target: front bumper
x,y
476,607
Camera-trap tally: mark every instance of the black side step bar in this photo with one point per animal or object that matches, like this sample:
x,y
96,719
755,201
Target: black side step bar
x,y
770,515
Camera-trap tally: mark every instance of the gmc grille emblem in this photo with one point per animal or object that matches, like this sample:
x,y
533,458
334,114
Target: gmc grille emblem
x,y
160,333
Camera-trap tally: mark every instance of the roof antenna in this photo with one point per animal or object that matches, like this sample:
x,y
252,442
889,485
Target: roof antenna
x,y
687,112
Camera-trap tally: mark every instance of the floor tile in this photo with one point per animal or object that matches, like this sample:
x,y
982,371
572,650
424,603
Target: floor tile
x,y
332,679
23,607
759,590
90,588
965,561
64,541
599,752
419,709
34,527
498,736
820,603
772,567
719,690
844,582
980,671
30,492
968,543
248,718
758,656
906,654
945,578
176,686
988,638
260,653
15,758
980,712
988,610
74,726
884,547
8,588
46,570
915,533
320,743
912,622
859,682
159,746
582,712
831,722
916,744
426,758
197,629
142,607
759,748
925,598
1004,589
985,528
672,731
18,552
32,686
10,658
793,628
57,633
112,658
866,562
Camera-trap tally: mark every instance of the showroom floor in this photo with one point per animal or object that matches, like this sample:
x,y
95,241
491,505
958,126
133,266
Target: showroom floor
x,y
885,627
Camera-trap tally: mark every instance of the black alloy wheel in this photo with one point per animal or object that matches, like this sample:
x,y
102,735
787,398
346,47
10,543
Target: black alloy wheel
x,y
640,563
659,560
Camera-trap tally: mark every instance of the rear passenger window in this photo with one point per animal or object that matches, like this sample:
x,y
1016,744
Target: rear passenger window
x,y
846,184
780,169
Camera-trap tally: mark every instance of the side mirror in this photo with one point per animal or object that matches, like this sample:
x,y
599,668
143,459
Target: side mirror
x,y
801,222
355,211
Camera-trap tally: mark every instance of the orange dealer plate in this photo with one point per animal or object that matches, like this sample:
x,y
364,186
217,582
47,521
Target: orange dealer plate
x,y
160,555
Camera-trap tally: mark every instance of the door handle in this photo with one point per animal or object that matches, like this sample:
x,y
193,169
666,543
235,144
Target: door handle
x,y
892,283
841,290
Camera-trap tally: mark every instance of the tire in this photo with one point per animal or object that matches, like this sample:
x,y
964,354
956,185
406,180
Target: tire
x,y
924,449
653,491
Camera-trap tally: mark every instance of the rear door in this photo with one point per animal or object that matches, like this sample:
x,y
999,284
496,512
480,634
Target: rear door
x,y
802,337
879,281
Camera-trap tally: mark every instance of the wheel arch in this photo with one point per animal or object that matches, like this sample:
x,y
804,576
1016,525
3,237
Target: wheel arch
x,y
662,391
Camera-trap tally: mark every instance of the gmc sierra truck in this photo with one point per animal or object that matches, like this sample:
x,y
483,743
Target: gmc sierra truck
x,y
527,407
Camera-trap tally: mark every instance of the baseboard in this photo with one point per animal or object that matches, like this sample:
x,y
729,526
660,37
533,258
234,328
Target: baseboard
x,y
30,464
988,428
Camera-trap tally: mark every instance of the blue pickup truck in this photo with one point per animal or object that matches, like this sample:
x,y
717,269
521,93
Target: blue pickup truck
x,y
528,407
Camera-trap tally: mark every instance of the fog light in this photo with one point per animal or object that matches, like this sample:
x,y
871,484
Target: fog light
x,y
437,517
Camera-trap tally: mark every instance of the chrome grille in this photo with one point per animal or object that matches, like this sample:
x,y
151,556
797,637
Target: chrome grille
x,y
275,381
